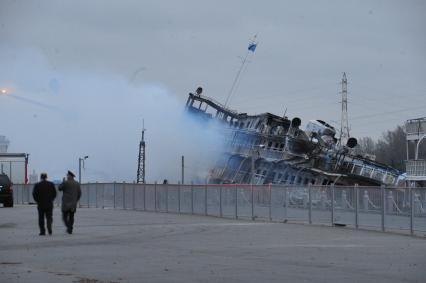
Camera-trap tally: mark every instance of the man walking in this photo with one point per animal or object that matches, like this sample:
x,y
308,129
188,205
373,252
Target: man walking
x,y
71,194
44,193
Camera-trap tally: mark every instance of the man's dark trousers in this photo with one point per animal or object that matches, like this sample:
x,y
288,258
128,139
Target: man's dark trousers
x,y
68,217
45,212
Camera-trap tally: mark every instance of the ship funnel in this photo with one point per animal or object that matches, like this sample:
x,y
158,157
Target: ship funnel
x,y
296,122
199,90
352,142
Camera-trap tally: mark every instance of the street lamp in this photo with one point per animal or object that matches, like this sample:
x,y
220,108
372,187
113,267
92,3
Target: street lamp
x,y
81,161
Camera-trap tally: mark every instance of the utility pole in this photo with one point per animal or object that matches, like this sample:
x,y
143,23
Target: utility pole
x,y
183,170
140,178
344,123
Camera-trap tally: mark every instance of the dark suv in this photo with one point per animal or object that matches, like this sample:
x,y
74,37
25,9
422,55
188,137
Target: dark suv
x,y
6,192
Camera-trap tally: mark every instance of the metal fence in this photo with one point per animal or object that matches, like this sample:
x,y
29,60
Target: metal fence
x,y
378,208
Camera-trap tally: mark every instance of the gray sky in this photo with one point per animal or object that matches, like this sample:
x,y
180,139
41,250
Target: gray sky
x,y
108,48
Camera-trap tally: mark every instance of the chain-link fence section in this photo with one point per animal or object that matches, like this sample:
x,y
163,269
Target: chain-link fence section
x,y
378,208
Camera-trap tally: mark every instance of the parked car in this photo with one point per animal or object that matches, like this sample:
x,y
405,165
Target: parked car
x,y
6,192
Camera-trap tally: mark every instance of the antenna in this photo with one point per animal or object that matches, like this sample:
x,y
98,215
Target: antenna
x,y
140,178
344,123
251,48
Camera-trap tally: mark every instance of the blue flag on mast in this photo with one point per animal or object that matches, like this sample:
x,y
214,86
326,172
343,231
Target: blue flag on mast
x,y
252,47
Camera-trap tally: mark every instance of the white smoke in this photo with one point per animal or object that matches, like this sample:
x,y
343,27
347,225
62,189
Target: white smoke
x,y
59,116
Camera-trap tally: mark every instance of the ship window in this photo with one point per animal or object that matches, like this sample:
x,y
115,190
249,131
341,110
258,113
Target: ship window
x,y
285,177
258,124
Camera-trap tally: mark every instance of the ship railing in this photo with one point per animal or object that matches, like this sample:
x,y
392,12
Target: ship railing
x,y
416,169
376,173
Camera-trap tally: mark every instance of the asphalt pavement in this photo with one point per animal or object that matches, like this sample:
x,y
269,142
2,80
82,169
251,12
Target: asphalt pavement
x,y
134,246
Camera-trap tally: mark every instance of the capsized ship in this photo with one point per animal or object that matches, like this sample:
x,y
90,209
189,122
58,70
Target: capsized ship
x,y
266,148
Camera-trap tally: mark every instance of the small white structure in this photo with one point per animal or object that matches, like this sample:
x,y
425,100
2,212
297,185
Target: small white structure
x,y
15,165
4,144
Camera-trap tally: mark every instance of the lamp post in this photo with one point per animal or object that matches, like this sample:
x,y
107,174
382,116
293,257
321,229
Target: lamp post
x,y
81,161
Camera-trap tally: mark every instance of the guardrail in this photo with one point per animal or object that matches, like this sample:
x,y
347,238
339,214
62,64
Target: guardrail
x,y
377,208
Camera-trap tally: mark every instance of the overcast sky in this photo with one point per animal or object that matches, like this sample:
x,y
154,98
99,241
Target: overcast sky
x,y
171,47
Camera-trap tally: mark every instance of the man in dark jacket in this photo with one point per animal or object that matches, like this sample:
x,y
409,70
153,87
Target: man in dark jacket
x,y
44,193
71,194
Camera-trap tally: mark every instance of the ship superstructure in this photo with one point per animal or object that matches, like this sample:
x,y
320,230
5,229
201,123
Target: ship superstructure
x,y
267,148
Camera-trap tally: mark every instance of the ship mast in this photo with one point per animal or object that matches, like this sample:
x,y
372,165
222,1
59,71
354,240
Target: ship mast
x,y
250,50
344,123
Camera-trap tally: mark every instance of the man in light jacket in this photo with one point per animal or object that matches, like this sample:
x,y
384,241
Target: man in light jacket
x,y
71,194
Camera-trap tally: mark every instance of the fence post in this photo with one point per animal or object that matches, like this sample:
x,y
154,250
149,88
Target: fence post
x,y
155,196
167,198
310,202
134,196
103,196
178,197
411,193
382,189
220,201
124,195
192,197
88,195
332,205
270,202
356,206
96,194
144,197
252,201
205,200
285,201
114,195
236,201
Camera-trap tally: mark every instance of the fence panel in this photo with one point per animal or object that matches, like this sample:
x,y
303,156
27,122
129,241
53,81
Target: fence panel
x,y
397,210
150,197
139,193
244,207
419,209
213,200
296,198
261,194
344,205
199,199
370,207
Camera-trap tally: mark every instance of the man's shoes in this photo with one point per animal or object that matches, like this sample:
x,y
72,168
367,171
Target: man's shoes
x,y
42,234
69,231
50,233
